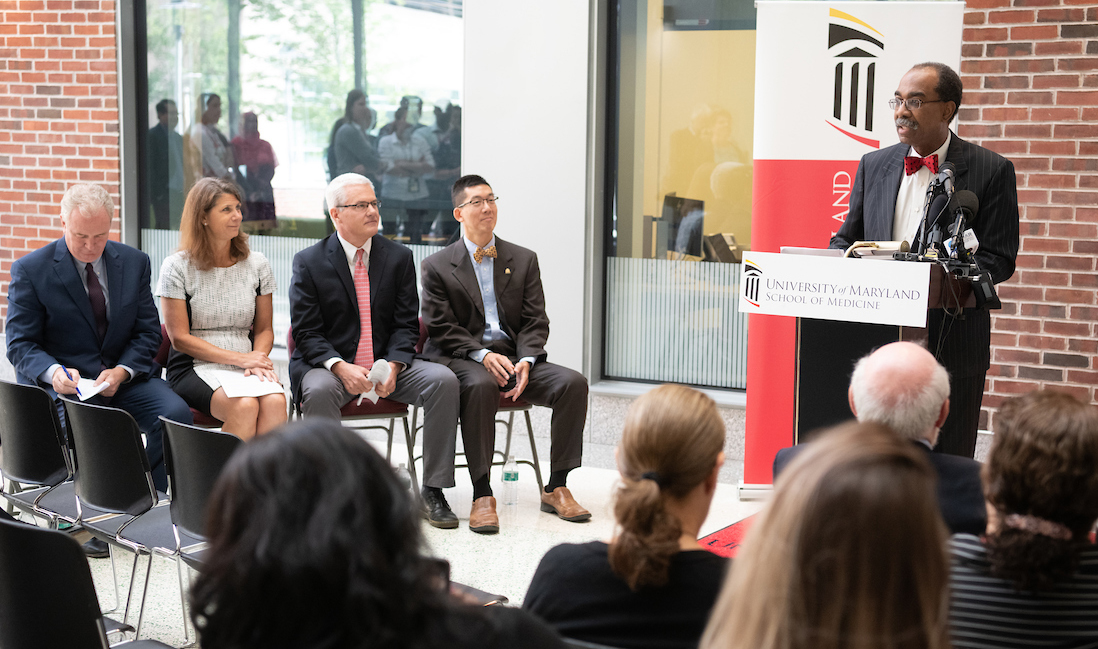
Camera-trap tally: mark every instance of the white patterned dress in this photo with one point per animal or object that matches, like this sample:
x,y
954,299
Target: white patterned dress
x,y
222,302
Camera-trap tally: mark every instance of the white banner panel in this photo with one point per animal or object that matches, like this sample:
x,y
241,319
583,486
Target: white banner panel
x,y
824,72
877,291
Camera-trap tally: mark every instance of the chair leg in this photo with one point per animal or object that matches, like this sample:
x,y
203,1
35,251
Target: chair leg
x,y
389,445
129,592
114,575
182,596
408,439
533,450
510,426
144,594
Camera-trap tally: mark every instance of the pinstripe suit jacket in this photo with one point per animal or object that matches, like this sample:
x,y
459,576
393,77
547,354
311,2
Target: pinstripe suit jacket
x,y
964,343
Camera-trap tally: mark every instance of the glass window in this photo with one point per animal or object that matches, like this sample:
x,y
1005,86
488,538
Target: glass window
x,y
279,96
679,175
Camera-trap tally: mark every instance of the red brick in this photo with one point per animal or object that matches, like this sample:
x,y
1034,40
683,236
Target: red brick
x,y
985,66
1069,296
1018,324
1006,147
1030,164
1088,182
1075,164
1029,261
1056,81
974,18
1061,15
1032,65
1039,98
1075,198
1016,356
1083,345
1052,148
1057,327
1013,387
1056,343
1084,64
986,4
1084,280
984,34
1077,391
1090,81
1058,48
1011,16
1034,244
1080,376
1034,32
1088,148
1053,181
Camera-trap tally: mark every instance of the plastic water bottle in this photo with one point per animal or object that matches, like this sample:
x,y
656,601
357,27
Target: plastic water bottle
x,y
510,481
404,476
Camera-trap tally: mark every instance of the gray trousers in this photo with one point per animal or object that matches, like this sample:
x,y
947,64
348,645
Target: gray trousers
x,y
553,386
428,385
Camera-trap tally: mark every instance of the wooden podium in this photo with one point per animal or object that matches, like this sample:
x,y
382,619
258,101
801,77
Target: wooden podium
x,y
826,351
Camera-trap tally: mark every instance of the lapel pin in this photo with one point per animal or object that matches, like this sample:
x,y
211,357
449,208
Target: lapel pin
x,y
507,271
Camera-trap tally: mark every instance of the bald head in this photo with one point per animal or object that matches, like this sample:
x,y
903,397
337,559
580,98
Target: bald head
x,y
902,386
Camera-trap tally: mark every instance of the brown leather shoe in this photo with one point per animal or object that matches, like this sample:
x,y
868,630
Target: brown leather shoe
x,y
482,518
561,503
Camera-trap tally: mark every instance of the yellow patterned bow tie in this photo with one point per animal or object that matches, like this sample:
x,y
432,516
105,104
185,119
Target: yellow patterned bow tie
x,y
481,253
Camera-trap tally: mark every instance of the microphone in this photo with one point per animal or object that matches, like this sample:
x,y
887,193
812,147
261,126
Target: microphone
x,y
930,225
947,173
964,205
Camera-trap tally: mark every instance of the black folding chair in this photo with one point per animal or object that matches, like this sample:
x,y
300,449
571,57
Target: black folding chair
x,y
193,460
47,598
116,499
35,455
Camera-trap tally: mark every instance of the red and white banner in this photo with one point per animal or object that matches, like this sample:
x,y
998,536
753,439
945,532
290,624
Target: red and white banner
x,y
824,72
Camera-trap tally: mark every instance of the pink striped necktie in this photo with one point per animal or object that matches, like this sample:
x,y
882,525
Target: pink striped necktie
x,y
364,356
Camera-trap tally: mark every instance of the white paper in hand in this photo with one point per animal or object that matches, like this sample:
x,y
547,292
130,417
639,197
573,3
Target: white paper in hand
x,y
87,388
379,373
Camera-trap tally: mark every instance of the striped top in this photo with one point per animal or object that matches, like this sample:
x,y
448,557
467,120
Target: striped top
x,y
988,612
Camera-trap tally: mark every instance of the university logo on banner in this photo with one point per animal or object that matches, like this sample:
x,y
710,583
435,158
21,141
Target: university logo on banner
x,y
856,46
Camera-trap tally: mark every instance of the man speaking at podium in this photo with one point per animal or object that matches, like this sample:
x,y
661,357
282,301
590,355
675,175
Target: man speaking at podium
x,y
887,202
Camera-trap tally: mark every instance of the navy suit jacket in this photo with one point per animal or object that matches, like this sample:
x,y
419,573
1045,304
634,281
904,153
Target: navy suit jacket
x,y
960,492
966,342
50,317
324,306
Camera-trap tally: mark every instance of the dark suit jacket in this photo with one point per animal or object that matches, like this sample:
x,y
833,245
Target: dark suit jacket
x,y
966,343
324,307
50,317
960,492
453,310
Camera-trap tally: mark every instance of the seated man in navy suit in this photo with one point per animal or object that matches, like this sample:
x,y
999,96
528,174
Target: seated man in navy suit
x,y
902,387
82,307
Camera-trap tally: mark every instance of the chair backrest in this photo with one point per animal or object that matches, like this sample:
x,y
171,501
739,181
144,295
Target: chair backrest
x,y
112,470
30,430
47,598
572,643
194,458
165,347
422,337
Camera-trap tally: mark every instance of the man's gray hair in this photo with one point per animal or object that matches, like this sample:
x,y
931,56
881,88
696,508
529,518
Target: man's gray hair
x,y
336,193
911,410
88,198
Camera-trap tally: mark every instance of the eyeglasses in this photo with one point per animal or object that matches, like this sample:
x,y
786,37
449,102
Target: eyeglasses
x,y
491,200
361,207
914,103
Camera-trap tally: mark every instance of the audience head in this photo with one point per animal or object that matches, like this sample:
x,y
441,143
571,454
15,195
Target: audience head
x,y
167,113
850,552
313,543
1041,482
86,215
457,191
672,445
475,208
250,123
903,387
357,108
344,196
209,108
206,200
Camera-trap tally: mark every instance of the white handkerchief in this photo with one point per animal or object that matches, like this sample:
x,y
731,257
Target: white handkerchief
x,y
379,373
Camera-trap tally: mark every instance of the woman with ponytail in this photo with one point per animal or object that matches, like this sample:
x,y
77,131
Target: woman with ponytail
x,y
1032,580
653,585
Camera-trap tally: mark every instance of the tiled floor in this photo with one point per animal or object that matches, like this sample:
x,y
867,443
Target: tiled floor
x,y
501,563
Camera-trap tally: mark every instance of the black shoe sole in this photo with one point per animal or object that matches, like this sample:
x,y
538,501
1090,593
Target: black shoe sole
x,y
443,525
96,554
549,509
485,529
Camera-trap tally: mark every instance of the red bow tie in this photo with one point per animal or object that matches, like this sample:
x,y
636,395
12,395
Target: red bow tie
x,y
912,163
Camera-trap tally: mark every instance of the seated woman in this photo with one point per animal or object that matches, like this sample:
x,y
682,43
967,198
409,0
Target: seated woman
x,y
315,543
1032,581
653,585
849,553
216,299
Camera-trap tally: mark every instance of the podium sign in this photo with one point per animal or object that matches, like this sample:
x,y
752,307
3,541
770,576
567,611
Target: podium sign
x,y
875,291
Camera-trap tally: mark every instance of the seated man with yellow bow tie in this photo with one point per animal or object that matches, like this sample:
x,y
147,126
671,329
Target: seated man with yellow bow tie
x,y
484,310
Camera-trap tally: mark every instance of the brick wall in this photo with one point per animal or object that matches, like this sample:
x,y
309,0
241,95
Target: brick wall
x,y
1030,70
58,116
